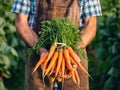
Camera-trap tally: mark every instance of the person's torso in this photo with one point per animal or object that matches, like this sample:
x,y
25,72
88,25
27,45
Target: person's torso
x,y
33,12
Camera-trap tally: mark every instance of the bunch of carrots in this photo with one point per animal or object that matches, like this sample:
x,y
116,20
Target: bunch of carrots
x,y
59,63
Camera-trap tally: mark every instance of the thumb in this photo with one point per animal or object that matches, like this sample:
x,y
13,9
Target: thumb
x,y
42,51
41,55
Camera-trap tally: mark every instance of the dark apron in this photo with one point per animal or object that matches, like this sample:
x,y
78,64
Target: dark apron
x,y
45,10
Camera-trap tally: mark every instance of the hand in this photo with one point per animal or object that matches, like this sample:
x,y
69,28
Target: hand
x,y
74,13
89,31
82,45
42,51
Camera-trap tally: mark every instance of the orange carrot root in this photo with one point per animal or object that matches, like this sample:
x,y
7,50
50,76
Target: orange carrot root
x,y
67,59
76,59
52,62
73,77
60,56
77,78
42,60
51,52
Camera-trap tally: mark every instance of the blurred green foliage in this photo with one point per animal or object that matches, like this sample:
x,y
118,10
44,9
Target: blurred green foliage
x,y
103,52
107,48
11,50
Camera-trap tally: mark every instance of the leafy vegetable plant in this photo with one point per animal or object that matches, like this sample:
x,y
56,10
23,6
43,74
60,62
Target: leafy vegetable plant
x,y
61,32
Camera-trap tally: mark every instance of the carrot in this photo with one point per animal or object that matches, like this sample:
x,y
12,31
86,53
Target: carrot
x,y
60,56
73,77
77,77
52,62
67,59
59,79
42,60
52,78
45,64
74,65
51,52
83,69
60,71
52,69
67,75
72,61
63,66
72,53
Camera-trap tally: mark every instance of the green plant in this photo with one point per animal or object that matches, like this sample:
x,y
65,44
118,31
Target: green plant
x,y
11,49
106,45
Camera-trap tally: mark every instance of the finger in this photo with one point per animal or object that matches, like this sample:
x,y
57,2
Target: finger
x,y
42,54
42,51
